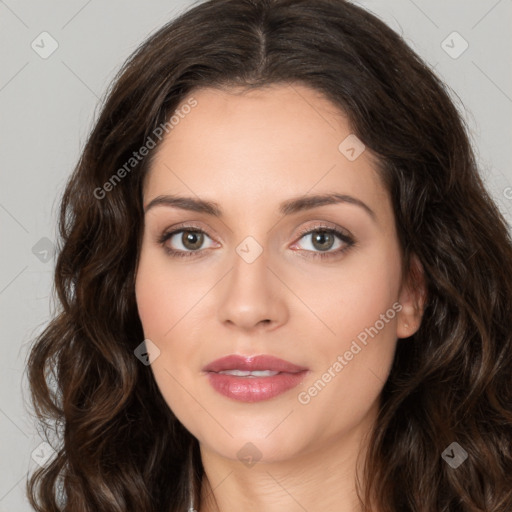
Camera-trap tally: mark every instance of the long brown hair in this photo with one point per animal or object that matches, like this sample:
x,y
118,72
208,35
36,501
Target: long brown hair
x,y
119,446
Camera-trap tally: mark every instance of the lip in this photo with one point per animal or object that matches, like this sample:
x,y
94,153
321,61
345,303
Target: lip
x,y
252,363
253,389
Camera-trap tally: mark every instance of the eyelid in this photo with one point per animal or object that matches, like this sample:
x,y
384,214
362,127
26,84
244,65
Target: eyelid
x,y
321,224
182,226
186,225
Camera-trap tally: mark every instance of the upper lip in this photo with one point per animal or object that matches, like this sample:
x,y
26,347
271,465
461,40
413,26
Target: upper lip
x,y
252,363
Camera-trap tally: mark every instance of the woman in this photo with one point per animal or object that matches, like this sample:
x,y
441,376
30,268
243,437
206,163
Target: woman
x,y
283,283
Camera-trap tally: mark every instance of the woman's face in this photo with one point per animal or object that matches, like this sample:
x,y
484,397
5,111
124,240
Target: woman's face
x,y
260,277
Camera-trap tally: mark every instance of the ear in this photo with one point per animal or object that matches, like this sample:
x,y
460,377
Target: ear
x,y
412,298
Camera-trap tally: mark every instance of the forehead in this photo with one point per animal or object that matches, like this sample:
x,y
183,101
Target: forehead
x,y
269,143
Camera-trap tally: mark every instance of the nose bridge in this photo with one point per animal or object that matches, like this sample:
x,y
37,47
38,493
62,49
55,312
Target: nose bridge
x,y
251,294
250,262
250,275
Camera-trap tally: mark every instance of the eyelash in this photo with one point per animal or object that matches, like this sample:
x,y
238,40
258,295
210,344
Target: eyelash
x,y
162,239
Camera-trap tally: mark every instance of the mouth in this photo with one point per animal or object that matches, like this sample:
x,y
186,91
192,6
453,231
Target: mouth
x,y
252,364
253,379
246,373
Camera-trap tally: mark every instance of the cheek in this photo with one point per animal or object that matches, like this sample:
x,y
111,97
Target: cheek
x,y
169,306
360,308
164,295
151,301
354,298
162,309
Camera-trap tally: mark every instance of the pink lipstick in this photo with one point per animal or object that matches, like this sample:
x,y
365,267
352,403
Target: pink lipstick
x,y
254,378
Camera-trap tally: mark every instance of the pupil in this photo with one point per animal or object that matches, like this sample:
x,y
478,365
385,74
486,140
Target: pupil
x,y
192,238
321,238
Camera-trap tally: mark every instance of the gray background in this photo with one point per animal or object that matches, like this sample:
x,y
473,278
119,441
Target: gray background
x,y
48,107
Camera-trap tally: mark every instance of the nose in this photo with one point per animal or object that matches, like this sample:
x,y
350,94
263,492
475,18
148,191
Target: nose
x,y
252,296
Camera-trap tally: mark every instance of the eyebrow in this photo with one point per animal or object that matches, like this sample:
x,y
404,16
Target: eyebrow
x,y
288,207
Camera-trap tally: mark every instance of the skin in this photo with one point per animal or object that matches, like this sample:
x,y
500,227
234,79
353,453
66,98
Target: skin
x,y
249,152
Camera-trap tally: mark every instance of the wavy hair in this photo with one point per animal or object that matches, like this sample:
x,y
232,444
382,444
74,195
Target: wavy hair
x,y
120,447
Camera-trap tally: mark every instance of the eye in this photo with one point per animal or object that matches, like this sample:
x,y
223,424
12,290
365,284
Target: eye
x,y
322,239
190,238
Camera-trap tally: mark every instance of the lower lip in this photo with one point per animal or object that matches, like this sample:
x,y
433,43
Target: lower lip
x,y
254,389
